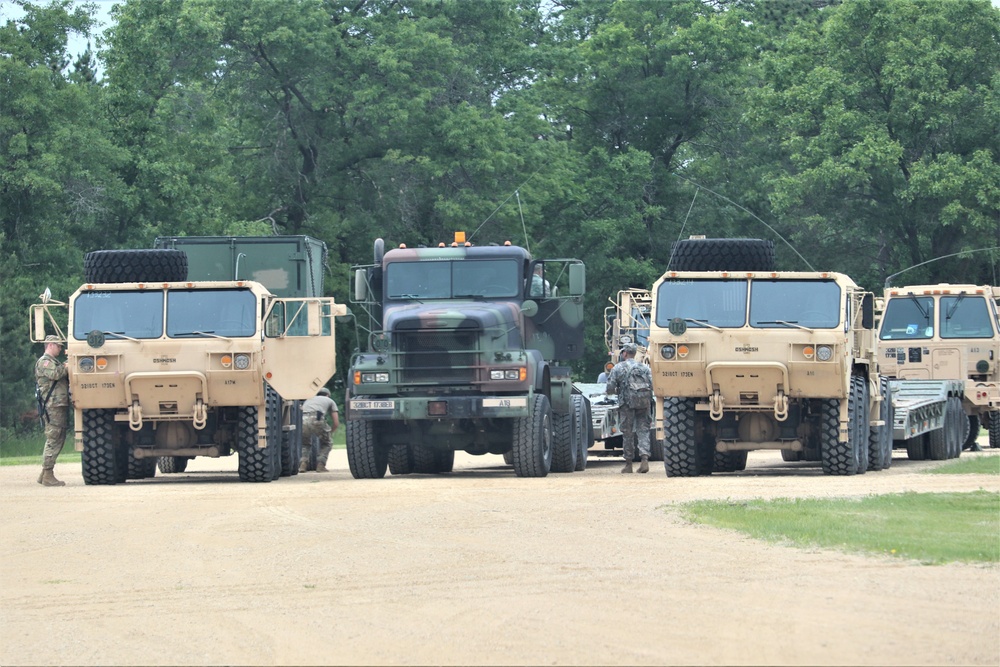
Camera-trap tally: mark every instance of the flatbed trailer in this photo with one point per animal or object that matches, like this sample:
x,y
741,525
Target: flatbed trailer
x,y
928,418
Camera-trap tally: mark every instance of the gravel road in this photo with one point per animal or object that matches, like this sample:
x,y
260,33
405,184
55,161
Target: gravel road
x,y
475,567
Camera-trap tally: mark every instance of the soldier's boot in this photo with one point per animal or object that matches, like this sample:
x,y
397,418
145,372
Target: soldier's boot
x,y
644,464
47,478
303,466
628,467
321,467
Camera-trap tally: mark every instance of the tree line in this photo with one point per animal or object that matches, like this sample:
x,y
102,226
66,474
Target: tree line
x,y
860,136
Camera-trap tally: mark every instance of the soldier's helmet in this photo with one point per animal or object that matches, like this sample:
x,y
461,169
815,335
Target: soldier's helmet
x,y
323,391
628,349
52,339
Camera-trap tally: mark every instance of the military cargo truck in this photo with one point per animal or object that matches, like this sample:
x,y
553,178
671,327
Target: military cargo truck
x,y
626,322
747,358
940,346
166,366
463,353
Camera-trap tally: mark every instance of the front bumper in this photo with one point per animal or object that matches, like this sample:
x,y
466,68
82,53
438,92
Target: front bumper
x,y
377,408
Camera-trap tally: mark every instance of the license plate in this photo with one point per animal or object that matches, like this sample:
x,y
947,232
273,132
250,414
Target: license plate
x,y
373,405
505,402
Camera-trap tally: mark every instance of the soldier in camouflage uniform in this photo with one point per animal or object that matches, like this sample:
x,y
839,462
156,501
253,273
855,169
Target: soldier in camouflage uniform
x,y
314,412
52,379
634,423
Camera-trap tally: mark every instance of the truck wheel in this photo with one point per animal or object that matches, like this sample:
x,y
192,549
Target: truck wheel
x,y
532,446
565,448
958,423
880,437
313,453
365,456
730,461
790,455
169,464
508,458
140,468
444,460
680,448
937,440
838,458
135,266
973,434
915,448
291,441
400,460
423,459
100,458
862,417
994,429
722,255
585,430
256,464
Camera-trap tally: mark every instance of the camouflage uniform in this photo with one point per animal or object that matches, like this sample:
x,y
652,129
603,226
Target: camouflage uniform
x,y
51,374
635,423
314,412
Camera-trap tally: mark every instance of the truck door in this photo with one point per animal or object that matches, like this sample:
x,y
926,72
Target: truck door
x,y
299,354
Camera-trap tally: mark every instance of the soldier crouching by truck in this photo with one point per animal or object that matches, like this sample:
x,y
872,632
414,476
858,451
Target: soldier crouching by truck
x,y
314,412
52,392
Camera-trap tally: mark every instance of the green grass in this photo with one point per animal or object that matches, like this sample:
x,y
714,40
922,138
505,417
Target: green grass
x,y
972,465
932,528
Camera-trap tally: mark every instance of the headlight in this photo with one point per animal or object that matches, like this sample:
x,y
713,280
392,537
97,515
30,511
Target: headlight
x,y
242,361
496,375
505,374
668,351
86,364
374,377
381,377
824,353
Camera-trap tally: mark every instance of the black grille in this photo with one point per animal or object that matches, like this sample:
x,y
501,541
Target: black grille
x,y
439,357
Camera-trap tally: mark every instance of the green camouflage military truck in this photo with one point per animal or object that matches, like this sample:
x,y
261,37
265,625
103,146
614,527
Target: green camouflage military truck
x,y
462,353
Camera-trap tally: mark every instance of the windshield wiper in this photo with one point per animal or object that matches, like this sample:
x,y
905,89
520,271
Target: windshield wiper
x,y
920,307
120,334
210,334
787,323
951,311
702,323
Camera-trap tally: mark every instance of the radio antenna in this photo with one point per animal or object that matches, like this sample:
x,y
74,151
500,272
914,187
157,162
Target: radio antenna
x,y
888,280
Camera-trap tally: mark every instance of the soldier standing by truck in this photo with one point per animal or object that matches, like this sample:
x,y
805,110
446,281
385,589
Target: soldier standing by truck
x,y
52,387
314,412
635,399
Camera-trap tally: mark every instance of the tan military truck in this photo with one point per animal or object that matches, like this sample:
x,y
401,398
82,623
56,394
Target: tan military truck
x,y
747,358
163,366
929,337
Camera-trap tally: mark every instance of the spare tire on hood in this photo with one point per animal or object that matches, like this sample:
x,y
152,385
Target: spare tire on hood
x,y
135,266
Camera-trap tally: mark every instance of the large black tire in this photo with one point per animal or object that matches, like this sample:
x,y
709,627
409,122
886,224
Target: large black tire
x,y
100,458
565,441
730,461
423,458
135,266
140,468
973,435
862,419
681,456
880,437
938,448
444,460
291,441
585,429
508,458
916,448
256,464
366,458
790,455
838,458
722,255
171,464
400,460
532,440
959,426
994,429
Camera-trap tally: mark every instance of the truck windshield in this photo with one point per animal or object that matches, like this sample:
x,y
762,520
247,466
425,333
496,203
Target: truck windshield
x,y
965,317
487,278
908,318
814,304
136,314
719,303
222,312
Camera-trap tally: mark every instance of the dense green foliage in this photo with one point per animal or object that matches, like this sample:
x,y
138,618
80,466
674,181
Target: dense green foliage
x,y
934,528
865,133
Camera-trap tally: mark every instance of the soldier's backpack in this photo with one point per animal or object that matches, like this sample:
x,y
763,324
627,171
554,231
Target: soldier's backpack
x,y
638,388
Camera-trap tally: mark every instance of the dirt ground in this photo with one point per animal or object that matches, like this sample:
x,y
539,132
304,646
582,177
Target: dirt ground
x,y
475,567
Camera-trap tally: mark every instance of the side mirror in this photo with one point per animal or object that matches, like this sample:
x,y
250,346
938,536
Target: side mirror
x,y
360,285
577,279
868,311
